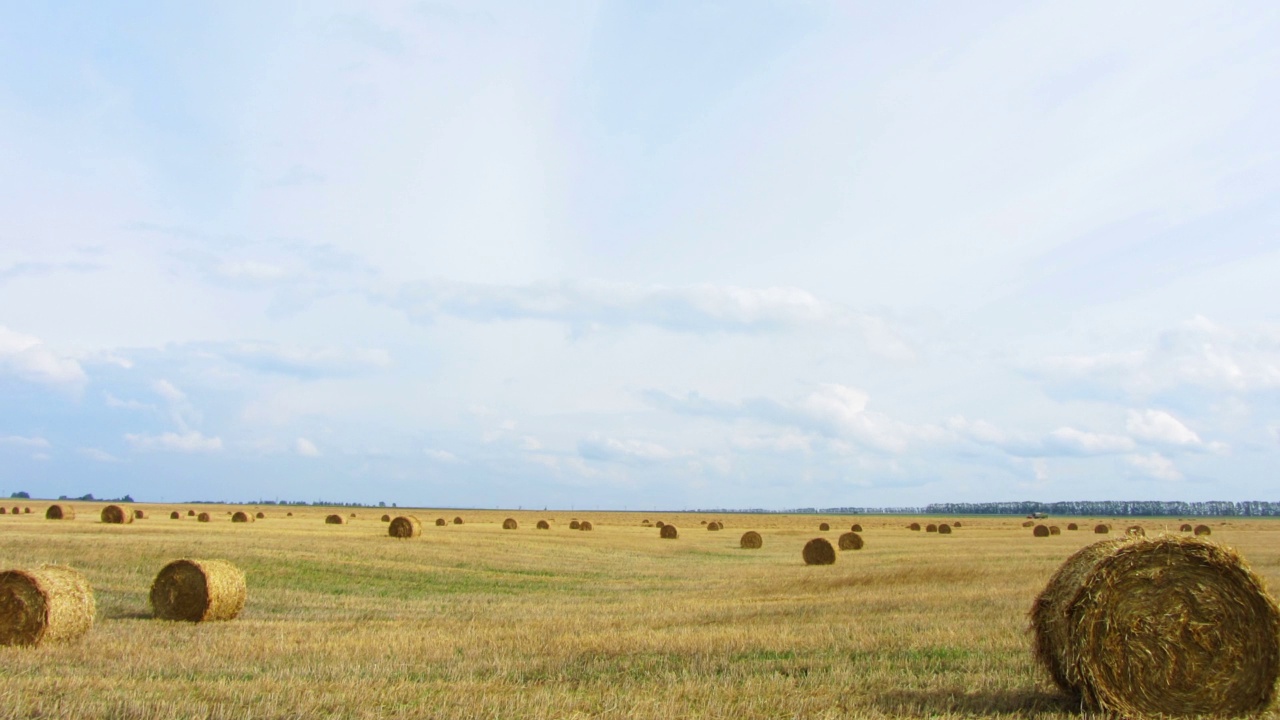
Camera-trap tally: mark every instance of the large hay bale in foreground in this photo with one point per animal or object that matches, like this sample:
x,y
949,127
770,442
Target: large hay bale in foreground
x,y
440,522
240,516
669,532
855,528
1203,530
544,525
824,527
116,515
510,524
818,552
175,515
1102,529
751,540
198,590
49,603
335,519
202,517
1163,626
1041,531
405,526
585,525
914,526
575,525
944,529
850,541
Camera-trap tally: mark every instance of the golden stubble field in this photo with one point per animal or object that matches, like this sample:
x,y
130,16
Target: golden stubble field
x,y
474,621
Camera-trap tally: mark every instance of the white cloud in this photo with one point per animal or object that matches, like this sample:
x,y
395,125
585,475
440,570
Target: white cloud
x,y
625,451
28,358
1070,441
168,391
1155,465
528,442
252,271
98,455
25,442
114,402
1157,426
303,361
184,442
442,456
306,448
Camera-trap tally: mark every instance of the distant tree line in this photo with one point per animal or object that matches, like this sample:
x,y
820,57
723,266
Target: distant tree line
x,y
1108,508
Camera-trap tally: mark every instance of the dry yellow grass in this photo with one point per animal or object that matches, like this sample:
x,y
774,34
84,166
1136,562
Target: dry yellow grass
x,y
479,622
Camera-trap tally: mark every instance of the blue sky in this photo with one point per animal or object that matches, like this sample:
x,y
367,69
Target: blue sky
x,y
640,255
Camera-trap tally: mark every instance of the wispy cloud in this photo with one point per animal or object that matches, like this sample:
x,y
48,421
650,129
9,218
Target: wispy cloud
x,y
98,455
306,448
24,442
188,442
28,358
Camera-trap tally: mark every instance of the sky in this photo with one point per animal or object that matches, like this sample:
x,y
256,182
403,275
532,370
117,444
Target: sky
x,y
634,255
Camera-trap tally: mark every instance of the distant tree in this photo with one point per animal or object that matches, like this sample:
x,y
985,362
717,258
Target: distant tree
x,y
127,498
21,495
382,504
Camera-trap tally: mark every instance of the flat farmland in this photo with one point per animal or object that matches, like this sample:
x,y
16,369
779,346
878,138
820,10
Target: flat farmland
x,y
473,621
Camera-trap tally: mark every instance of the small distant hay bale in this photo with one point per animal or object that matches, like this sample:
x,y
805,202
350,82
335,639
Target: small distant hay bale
x,y
751,540
26,511
1054,530
261,516
241,516
824,527
441,522
585,525
202,517
944,529
137,514
1072,526
1203,530
1041,531
646,523
386,518
46,604
544,525
575,525
175,515
931,528
855,528
704,522
289,514
1165,626
510,524
1102,528
191,513
60,512
914,526
1185,527
335,519
3,511
353,515
1028,523
669,532
956,524
818,552
116,515
850,541
1135,530
715,525
198,590
405,526
661,524
457,521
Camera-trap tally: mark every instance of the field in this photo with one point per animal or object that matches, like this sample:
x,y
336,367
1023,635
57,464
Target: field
x,y
473,621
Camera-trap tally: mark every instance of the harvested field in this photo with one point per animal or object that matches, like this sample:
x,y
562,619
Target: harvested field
x,y
481,622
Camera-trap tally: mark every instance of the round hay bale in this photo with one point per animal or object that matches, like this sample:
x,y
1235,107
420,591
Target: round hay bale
x,y
1203,530
1072,526
116,515
198,590
3,511
944,529
715,526
335,519
202,517
818,552
175,515
261,516
1028,523
1053,530
1135,530
704,522
544,525
353,515
60,512
751,540
1041,531
510,524
914,526
405,526
646,523
575,525
956,524
855,528
931,528
26,511
669,532
241,516
1171,625
1101,529
191,513
386,518
457,521
1185,527
47,604
137,514
661,524
824,527
850,541
585,525
440,522
288,514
